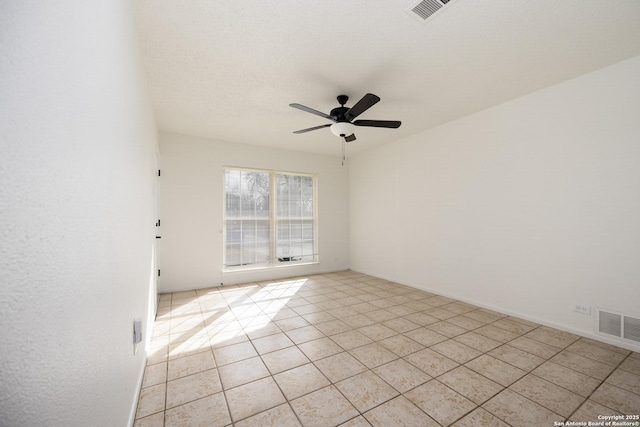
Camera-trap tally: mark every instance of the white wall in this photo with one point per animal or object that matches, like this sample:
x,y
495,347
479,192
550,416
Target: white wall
x,y
77,212
527,207
191,209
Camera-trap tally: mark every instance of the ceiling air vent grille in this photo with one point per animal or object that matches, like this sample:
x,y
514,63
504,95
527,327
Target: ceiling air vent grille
x,y
427,8
617,325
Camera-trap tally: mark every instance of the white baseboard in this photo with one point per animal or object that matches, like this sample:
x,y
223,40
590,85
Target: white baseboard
x,y
586,334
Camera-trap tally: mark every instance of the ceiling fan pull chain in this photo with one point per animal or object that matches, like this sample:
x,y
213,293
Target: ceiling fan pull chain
x,y
344,143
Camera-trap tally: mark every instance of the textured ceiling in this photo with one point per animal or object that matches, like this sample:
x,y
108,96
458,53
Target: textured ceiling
x,y
227,70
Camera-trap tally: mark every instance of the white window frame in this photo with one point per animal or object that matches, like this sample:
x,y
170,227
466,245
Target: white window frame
x,y
273,241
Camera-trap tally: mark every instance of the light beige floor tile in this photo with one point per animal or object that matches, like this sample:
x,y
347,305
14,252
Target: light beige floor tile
x,y
537,348
324,407
456,351
583,364
299,381
549,395
616,398
401,325
496,334
306,309
372,355
377,332
155,420
281,360
226,338
516,357
589,411
399,412
304,334
480,418
598,353
191,346
381,315
401,310
279,313
477,341
272,342
358,320
567,378
564,334
261,326
425,336
319,349
234,353
340,366
422,319
604,345
253,398
625,380
496,370
188,365
440,402
242,372
459,307
155,374
431,362
401,375
547,336
401,345
208,411
517,410
470,384
151,400
631,364
192,387
366,390
351,339
447,329
319,317
280,416
513,326
485,316
333,327
465,322
359,421
364,307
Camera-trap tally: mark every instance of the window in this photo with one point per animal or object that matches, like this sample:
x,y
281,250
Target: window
x,y
269,218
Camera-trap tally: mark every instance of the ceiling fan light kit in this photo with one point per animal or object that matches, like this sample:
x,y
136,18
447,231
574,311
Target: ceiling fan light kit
x,y
342,129
343,124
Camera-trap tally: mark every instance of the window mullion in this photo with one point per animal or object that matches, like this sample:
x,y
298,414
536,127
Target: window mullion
x,y
273,207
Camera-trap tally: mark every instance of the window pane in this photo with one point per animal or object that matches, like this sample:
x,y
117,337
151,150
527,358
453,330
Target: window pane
x,y
248,201
246,217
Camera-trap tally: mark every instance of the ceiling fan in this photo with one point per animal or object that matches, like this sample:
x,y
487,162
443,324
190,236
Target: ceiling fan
x,y
343,118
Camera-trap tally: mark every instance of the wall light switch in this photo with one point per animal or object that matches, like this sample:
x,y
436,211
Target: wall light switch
x,y
137,330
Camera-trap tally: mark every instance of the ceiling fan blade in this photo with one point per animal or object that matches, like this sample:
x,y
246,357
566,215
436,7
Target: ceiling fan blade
x,y
313,128
367,101
378,123
312,111
350,138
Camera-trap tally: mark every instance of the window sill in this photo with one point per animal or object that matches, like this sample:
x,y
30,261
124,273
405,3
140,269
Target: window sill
x,y
267,267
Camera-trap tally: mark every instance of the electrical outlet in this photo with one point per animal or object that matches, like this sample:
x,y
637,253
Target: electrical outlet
x,y
583,309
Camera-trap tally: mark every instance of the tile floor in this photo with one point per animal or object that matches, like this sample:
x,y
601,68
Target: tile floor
x,y
352,350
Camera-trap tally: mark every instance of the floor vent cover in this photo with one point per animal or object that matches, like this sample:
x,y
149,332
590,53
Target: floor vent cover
x,y
425,9
617,325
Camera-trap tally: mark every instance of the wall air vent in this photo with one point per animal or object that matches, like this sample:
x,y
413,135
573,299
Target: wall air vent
x,y
426,9
617,325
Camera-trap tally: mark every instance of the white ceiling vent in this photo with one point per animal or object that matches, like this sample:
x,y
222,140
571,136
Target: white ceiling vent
x,y
426,9
617,325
